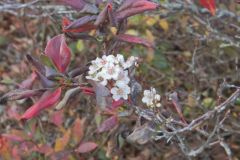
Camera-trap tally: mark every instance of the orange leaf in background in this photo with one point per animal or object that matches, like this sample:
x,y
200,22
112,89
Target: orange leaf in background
x,y
78,130
4,149
62,142
210,5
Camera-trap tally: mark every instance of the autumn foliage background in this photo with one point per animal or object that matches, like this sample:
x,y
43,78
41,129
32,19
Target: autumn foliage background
x,y
189,56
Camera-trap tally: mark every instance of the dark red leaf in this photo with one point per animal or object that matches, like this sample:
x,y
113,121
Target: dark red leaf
x,y
75,4
116,104
80,25
37,64
27,84
130,8
108,124
77,36
79,22
87,90
21,94
58,51
127,4
102,16
134,39
47,100
65,22
210,5
86,147
45,81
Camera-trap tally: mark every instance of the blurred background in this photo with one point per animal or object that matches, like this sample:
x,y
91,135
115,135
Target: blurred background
x,y
194,54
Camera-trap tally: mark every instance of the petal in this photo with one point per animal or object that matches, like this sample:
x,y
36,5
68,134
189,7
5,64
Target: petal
x,y
125,97
116,97
114,90
146,92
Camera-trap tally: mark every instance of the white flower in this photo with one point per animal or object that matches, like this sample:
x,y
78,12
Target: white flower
x,y
100,77
96,65
110,59
157,97
122,78
130,61
92,77
119,93
151,98
120,59
111,71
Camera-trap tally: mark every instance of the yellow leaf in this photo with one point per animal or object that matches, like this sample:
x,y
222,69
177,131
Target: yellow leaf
x,y
80,45
62,142
164,24
149,36
113,30
151,21
132,32
150,54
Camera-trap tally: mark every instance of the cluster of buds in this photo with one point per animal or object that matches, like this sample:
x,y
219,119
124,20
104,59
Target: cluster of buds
x,y
151,98
112,71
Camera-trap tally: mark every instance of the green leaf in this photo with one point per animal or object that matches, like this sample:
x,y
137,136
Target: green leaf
x,y
208,102
3,40
46,61
237,102
121,141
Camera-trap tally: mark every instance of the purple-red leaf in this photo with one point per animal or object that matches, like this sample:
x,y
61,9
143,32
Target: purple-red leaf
x,y
134,39
130,8
47,100
80,22
58,51
37,64
108,124
45,81
86,147
21,94
210,5
80,25
75,4
116,104
57,118
103,14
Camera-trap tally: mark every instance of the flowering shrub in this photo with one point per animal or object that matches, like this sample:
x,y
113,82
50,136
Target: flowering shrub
x,y
112,72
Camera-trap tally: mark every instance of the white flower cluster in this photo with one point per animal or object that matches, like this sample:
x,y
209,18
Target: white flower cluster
x,y
151,98
112,71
